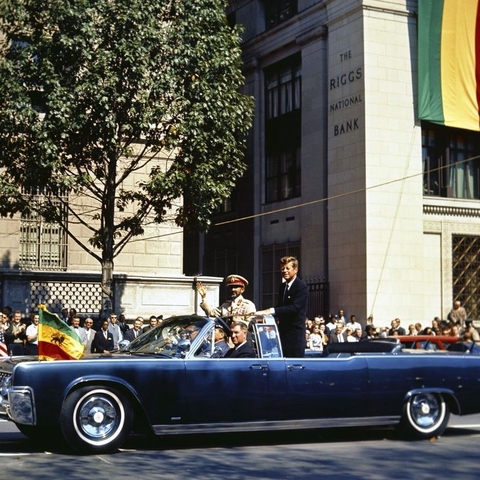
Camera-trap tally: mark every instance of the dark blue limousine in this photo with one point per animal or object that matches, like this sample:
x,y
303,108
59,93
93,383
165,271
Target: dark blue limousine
x,y
173,380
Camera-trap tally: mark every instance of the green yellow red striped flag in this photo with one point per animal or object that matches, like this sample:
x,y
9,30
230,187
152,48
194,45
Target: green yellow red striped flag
x,y
56,340
449,62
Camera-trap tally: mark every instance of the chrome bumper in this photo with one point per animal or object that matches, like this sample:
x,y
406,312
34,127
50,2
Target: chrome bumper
x,y
21,408
18,405
5,383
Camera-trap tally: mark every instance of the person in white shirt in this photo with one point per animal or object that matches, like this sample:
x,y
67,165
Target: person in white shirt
x,y
315,341
331,325
350,335
31,347
353,324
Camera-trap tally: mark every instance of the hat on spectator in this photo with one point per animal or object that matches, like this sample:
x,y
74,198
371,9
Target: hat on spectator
x,y
237,280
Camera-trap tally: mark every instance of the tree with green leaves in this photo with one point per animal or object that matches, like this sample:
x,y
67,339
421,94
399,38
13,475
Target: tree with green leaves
x,y
94,90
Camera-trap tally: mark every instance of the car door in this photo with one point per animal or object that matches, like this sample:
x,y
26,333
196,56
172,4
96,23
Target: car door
x,y
226,390
321,387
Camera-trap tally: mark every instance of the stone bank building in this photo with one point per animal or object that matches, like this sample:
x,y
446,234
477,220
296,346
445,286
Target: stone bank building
x,y
382,208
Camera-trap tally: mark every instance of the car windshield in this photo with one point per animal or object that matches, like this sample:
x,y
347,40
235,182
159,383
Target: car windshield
x,y
172,338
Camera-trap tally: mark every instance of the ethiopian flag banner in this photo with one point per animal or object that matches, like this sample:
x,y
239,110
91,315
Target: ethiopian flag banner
x,y
449,62
56,340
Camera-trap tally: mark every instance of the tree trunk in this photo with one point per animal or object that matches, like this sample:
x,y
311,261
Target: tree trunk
x,y
107,292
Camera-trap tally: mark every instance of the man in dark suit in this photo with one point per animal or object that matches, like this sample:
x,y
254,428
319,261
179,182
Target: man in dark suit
x,y
291,309
396,328
338,335
152,323
103,340
242,348
136,331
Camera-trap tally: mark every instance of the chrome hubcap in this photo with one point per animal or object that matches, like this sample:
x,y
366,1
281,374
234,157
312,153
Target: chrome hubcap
x,y
98,417
425,410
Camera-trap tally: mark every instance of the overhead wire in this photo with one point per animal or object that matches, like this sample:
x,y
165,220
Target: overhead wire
x,y
344,194
319,200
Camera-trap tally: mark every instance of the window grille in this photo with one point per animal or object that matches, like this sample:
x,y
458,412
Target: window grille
x,y
84,296
466,272
43,245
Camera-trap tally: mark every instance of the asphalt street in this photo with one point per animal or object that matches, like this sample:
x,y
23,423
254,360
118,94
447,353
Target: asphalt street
x,y
327,454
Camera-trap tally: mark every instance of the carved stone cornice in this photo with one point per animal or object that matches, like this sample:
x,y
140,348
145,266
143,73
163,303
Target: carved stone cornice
x,y
452,211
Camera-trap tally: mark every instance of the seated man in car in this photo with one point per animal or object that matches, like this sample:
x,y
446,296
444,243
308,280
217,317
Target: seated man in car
x,y
221,346
242,348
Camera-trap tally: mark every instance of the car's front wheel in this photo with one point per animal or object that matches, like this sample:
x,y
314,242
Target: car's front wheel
x,y
96,419
426,415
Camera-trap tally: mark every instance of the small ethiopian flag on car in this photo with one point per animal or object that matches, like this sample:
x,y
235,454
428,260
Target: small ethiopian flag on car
x,y
56,340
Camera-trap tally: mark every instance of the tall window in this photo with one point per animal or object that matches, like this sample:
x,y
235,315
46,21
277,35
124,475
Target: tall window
x,y
222,262
284,88
271,275
283,130
43,245
449,164
277,11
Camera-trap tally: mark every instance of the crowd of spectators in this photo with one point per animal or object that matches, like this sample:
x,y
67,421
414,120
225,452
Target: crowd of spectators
x,y
19,333
336,328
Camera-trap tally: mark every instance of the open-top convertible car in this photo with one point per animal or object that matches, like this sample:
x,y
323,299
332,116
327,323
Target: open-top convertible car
x,y
172,380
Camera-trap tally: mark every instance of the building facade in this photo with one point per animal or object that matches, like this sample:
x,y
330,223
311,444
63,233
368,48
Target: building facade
x,y
42,264
381,207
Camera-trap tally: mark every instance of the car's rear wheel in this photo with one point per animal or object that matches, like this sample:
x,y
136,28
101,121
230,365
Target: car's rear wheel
x,y
426,415
96,419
